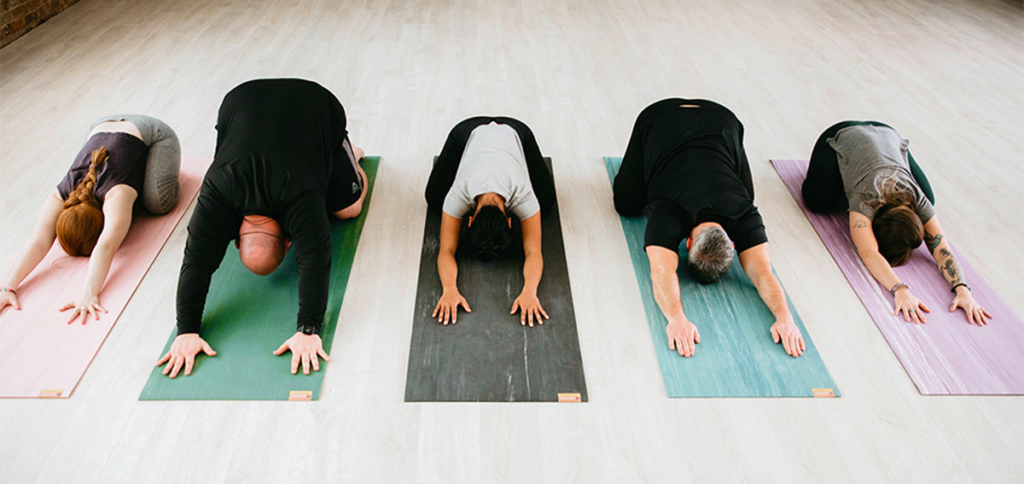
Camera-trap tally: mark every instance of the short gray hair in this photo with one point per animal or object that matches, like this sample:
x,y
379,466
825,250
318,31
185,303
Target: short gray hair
x,y
710,255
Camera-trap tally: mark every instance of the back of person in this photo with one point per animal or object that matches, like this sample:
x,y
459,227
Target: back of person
x,y
280,136
493,162
870,157
692,155
125,164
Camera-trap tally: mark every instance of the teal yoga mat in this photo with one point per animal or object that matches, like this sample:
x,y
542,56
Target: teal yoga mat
x,y
247,317
736,356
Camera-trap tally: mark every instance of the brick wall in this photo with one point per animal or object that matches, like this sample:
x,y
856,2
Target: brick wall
x,y
17,17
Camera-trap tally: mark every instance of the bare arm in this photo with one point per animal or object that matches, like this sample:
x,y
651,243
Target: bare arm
x,y
664,263
117,218
949,267
448,270
757,264
867,248
533,269
42,239
682,334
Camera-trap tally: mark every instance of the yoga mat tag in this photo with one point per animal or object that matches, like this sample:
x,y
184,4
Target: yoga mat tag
x,y
300,396
569,398
51,393
823,393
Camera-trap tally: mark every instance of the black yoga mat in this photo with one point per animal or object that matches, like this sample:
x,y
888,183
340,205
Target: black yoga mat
x,y
488,356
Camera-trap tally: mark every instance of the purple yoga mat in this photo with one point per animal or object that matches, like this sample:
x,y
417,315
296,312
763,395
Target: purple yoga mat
x,y
946,356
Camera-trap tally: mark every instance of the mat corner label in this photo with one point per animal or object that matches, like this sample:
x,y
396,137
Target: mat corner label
x,y
823,393
569,398
51,393
300,396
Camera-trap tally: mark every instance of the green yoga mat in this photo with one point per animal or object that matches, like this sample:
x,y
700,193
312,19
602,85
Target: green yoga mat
x,y
247,317
736,356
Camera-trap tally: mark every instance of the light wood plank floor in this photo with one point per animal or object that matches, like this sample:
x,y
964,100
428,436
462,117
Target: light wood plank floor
x,y
948,74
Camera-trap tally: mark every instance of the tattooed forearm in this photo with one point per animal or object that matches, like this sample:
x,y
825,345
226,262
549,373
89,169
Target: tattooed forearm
x,y
949,267
933,241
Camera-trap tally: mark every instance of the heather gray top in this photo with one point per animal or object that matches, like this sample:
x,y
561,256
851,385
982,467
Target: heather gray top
x,y
493,162
870,156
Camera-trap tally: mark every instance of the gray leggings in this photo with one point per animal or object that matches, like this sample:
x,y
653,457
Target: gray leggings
x,y
160,185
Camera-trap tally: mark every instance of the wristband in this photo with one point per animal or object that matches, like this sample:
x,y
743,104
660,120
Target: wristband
x,y
958,285
12,291
897,287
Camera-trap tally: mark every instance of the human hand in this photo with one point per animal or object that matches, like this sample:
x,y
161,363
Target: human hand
x,y
8,298
305,348
88,304
975,313
788,333
358,152
910,305
183,352
447,308
529,308
682,337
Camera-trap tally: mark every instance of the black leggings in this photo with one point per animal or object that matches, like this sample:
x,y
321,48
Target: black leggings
x,y
447,164
823,190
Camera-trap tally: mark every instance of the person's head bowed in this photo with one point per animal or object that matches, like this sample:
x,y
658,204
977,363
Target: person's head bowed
x,y
710,255
896,225
80,223
261,244
490,231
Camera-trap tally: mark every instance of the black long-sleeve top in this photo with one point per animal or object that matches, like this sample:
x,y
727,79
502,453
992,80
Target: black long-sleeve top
x,y
281,152
685,166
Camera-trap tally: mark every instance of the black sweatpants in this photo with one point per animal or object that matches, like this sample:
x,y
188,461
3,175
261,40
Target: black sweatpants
x,y
823,190
442,176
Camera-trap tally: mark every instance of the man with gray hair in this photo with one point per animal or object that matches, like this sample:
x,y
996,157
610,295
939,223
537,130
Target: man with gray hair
x,y
685,168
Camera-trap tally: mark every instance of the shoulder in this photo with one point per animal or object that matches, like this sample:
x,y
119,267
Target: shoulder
x,y
120,193
748,231
456,203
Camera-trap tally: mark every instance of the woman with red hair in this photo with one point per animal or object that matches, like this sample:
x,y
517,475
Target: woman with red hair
x,y
126,160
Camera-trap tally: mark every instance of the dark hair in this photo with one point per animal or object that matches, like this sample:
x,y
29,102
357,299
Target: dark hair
x,y
896,225
490,232
898,231
81,221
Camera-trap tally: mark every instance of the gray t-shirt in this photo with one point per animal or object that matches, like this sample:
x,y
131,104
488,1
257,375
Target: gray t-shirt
x,y
493,162
871,156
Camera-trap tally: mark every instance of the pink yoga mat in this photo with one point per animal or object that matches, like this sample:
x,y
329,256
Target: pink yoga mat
x,y
43,356
946,356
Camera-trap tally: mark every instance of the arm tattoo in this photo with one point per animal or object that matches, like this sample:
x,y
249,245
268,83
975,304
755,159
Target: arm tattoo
x,y
860,224
950,268
933,241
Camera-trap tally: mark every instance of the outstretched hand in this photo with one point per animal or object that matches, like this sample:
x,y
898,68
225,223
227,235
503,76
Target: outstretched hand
x,y
789,334
975,313
183,352
912,307
87,305
8,298
683,337
530,309
447,308
307,348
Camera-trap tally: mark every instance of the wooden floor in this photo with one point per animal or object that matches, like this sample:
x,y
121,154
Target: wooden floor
x,y
948,74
